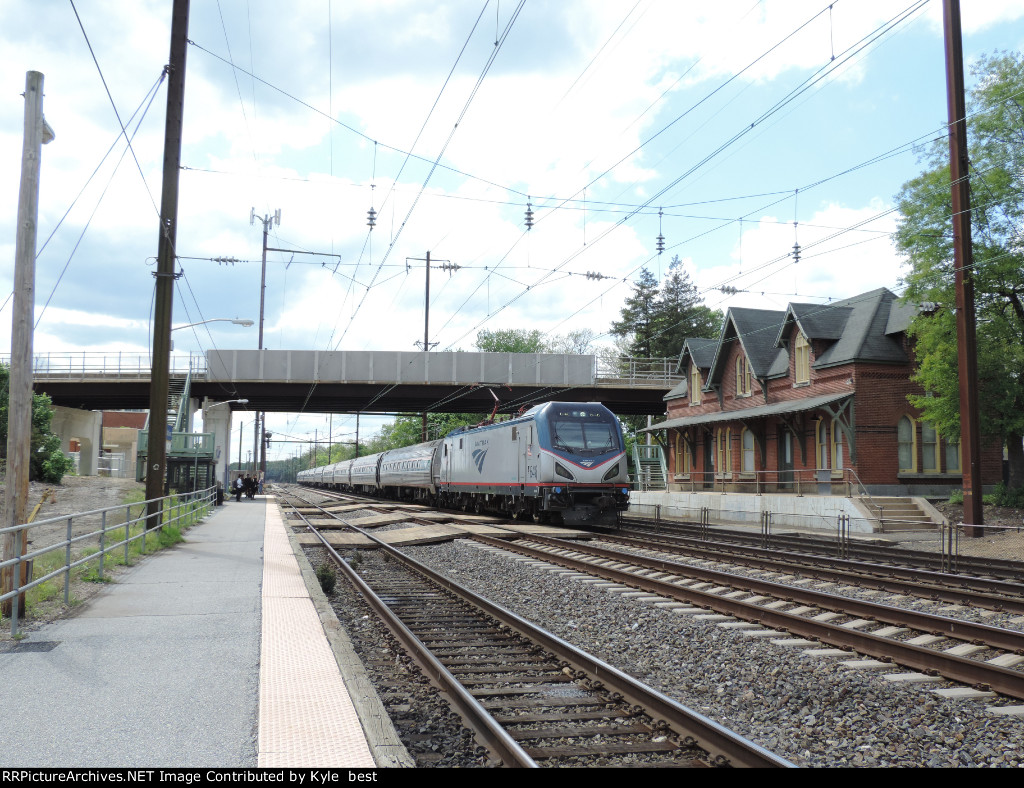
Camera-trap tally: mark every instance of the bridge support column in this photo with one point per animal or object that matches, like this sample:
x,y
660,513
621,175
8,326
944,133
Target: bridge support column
x,y
85,427
218,421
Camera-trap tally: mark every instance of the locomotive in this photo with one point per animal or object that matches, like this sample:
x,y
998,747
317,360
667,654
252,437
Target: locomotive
x,y
560,462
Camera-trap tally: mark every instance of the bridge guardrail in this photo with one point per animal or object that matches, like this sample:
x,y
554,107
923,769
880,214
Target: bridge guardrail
x,y
639,372
119,365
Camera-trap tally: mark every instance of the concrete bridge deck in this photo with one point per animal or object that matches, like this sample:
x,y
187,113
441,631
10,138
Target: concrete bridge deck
x,y
363,381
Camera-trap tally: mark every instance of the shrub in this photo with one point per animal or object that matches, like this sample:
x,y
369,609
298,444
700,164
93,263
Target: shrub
x,y
1002,496
327,578
55,466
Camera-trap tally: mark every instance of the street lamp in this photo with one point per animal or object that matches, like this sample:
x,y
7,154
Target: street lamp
x,y
235,320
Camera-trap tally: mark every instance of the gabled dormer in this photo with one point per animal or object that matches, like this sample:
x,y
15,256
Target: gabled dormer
x,y
866,327
695,362
747,344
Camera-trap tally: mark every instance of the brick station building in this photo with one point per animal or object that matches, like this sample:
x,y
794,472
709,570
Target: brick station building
x,y
810,400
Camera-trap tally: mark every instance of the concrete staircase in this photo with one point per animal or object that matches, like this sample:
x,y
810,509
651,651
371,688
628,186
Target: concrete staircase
x,y
899,514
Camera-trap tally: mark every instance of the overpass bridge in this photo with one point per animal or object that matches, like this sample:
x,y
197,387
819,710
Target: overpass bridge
x,y
370,381
311,381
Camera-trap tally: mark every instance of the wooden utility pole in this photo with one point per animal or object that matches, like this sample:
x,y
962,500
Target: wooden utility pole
x,y
963,262
19,420
156,460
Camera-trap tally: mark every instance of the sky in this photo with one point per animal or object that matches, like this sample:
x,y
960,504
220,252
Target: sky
x,y
733,129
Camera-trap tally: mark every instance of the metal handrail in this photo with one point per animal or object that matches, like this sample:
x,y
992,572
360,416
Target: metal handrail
x,y
115,364
195,505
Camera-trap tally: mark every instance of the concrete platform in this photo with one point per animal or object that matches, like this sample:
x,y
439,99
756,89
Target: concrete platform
x,y
209,654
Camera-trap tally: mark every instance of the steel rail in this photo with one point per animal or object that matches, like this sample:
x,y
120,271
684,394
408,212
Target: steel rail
x,y
968,671
887,578
997,637
494,736
813,545
720,742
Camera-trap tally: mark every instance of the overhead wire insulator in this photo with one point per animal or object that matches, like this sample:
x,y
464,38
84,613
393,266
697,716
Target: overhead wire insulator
x,y
529,216
371,218
660,246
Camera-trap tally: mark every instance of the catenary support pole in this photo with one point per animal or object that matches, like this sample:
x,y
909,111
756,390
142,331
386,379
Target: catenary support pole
x,y
156,460
963,261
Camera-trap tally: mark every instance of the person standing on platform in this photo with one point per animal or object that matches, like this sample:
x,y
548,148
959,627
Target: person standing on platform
x,y
238,489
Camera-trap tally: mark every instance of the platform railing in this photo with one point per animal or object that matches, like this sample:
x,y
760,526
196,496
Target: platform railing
x,y
181,509
809,481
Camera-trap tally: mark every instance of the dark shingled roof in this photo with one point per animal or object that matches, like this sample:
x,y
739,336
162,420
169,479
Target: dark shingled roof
x,y
900,316
756,330
702,351
679,392
819,321
866,327
861,328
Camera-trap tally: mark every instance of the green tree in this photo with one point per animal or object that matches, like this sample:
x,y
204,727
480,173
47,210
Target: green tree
x,y
46,461
656,320
407,430
577,342
639,316
511,340
996,149
680,313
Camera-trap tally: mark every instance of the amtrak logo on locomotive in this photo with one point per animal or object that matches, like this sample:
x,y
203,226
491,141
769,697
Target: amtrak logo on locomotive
x,y
478,458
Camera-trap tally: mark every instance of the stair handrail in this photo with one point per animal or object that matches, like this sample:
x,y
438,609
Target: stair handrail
x,y
182,413
864,492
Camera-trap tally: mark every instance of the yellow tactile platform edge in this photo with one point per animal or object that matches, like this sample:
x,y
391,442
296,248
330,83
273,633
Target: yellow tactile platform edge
x,y
306,716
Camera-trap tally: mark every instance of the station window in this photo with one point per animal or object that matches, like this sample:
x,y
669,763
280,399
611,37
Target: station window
x,y
929,448
907,438
743,376
747,444
695,385
837,448
802,360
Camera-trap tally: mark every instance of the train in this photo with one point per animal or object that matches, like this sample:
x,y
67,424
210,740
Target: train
x,y
557,463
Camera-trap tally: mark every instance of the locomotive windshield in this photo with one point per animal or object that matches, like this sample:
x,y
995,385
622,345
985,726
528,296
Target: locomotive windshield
x,y
584,432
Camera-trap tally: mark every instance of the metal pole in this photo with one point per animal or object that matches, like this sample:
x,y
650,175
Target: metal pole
x,y
159,378
19,435
963,262
426,335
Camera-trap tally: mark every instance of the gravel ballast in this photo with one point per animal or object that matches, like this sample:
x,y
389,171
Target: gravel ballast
x,y
807,709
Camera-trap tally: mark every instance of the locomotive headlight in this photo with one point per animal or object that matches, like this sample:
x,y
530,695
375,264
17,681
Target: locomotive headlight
x,y
612,473
560,470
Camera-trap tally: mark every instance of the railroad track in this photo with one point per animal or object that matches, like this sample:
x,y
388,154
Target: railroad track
x,y
987,593
531,697
934,645
825,548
